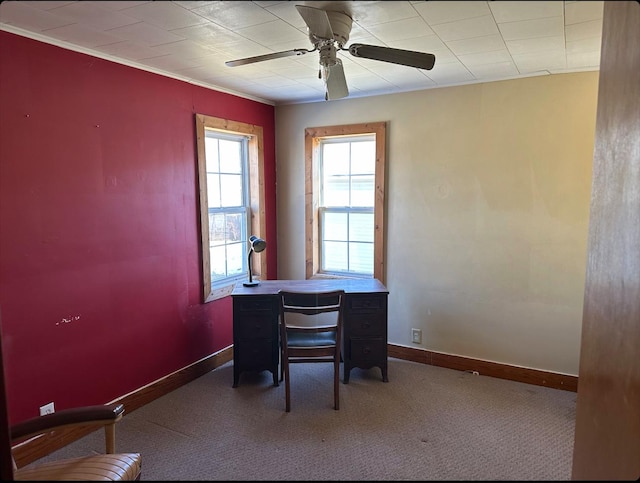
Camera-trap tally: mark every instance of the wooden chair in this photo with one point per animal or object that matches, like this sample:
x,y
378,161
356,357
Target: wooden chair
x,y
109,466
319,341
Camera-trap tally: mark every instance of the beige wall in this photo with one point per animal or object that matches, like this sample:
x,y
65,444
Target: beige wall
x,y
488,192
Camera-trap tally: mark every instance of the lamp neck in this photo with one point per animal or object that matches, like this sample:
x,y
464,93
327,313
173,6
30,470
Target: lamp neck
x,y
249,264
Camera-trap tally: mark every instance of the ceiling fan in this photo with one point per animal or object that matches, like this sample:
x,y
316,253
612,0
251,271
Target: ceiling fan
x,y
329,32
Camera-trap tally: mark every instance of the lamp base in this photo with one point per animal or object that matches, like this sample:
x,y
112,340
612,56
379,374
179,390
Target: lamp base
x,y
251,284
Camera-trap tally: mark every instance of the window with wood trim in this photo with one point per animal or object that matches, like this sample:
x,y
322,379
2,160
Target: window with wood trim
x,y
345,200
231,189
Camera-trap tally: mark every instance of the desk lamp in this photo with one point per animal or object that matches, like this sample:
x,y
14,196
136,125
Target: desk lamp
x,y
255,245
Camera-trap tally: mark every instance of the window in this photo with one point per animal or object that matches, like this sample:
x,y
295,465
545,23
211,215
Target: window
x,y
230,175
347,195
345,171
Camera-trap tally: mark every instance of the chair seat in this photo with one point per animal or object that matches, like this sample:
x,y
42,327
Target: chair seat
x,y
105,467
303,339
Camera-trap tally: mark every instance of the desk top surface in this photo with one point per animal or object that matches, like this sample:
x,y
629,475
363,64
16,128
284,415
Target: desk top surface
x,y
349,285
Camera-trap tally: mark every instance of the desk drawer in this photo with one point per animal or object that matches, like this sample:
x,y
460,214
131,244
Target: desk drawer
x,y
366,303
255,354
255,304
255,327
367,352
371,324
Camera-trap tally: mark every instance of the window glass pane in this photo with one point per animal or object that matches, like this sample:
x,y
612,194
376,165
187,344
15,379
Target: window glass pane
x,y
231,190
213,190
235,259
363,157
361,257
211,153
334,226
216,229
335,158
234,227
335,191
361,227
230,156
363,190
335,257
217,259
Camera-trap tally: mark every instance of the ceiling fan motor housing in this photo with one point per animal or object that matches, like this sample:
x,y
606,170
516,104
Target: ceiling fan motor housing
x,y
327,54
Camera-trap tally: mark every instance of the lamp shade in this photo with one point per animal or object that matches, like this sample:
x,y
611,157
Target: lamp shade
x,y
257,244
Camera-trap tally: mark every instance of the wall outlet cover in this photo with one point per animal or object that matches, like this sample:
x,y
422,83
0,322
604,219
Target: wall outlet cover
x,y
47,409
416,336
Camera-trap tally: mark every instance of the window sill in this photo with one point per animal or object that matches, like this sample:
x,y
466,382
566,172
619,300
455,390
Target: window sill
x,y
223,289
336,276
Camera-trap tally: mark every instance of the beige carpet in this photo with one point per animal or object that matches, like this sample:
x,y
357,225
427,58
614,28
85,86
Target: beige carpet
x,y
426,423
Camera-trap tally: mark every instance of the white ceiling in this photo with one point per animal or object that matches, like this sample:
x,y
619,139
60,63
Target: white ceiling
x,y
473,41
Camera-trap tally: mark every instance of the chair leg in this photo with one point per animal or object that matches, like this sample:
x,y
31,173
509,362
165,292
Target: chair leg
x,y
110,438
281,366
336,383
287,386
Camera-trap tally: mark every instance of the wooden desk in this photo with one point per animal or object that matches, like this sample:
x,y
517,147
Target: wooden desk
x,y
256,316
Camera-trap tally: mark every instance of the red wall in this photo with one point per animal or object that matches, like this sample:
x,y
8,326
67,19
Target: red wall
x,y
99,237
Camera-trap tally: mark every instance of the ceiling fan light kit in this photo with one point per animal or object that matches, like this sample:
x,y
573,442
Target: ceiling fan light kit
x,y
328,32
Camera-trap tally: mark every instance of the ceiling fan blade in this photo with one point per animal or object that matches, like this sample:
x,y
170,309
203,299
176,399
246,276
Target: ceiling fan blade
x,y
317,20
409,58
336,82
260,58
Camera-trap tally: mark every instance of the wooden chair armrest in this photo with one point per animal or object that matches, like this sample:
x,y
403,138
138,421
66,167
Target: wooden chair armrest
x,y
102,415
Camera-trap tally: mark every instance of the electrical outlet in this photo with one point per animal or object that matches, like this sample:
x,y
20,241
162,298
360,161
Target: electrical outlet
x,y
47,409
416,336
